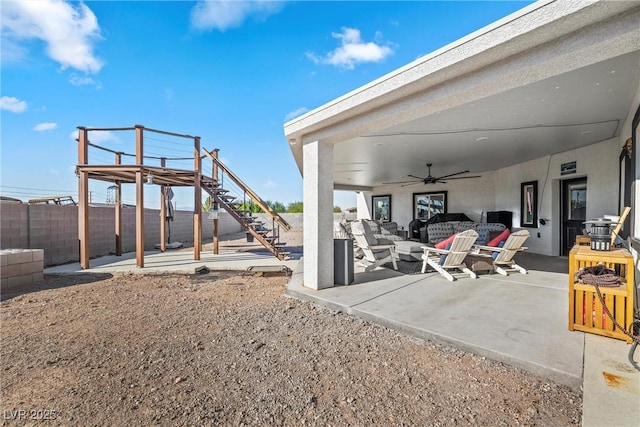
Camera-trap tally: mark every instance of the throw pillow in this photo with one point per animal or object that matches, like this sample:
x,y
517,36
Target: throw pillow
x,y
502,237
445,242
495,254
444,257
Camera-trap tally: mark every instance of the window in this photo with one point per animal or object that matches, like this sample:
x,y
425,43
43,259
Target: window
x,y
426,205
382,208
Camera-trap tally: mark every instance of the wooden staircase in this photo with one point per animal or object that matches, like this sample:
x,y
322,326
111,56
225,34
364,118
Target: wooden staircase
x,y
268,237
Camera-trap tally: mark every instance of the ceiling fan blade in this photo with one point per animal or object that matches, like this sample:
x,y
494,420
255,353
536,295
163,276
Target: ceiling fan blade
x,y
416,177
399,182
452,174
413,183
465,177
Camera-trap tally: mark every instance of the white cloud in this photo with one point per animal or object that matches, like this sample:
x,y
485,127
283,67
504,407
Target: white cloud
x,y
44,127
269,184
295,113
76,80
352,50
12,104
98,136
222,15
54,172
68,31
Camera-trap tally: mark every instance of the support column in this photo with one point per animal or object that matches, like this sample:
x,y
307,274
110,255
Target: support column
x,y
83,198
318,215
139,198
197,203
163,212
118,210
215,204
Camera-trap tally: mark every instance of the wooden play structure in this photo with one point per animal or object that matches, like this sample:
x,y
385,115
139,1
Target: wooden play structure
x,y
141,172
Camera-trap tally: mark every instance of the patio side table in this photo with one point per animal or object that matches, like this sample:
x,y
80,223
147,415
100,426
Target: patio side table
x,y
586,312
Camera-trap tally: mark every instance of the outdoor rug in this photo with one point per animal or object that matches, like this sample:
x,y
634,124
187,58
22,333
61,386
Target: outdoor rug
x,y
406,267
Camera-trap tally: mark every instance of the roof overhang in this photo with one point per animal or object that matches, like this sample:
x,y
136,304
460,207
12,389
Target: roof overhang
x,y
552,72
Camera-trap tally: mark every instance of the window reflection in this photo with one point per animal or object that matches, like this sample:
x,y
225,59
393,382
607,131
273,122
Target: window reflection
x,y
427,205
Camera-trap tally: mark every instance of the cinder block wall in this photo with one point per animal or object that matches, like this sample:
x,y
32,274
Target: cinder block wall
x,y
20,267
14,230
55,229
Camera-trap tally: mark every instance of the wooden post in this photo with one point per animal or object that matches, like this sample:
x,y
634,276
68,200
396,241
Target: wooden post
x,y
197,203
163,212
118,210
215,220
139,198
83,198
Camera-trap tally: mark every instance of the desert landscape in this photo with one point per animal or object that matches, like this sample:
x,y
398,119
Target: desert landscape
x,y
229,348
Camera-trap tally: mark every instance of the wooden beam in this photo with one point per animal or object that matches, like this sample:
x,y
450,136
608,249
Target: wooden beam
x,y
197,206
83,199
214,176
619,225
118,210
163,213
139,198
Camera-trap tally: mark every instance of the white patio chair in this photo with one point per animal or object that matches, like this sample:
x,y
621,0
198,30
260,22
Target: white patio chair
x,y
503,261
444,260
375,252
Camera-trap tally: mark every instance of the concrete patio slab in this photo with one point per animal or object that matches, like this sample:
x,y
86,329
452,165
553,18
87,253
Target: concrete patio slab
x,y
611,384
176,261
520,319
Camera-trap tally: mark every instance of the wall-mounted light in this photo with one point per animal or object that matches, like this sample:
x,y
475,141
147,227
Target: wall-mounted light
x,y
215,211
150,178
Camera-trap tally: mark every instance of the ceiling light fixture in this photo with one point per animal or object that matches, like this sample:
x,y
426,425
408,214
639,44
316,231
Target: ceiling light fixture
x,y
150,178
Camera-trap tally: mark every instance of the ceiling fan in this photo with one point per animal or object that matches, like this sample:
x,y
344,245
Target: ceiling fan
x,y
429,179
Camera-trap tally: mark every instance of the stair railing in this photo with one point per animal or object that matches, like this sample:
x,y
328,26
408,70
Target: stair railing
x,y
254,197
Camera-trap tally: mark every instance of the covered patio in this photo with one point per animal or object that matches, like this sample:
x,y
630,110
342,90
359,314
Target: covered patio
x,y
543,97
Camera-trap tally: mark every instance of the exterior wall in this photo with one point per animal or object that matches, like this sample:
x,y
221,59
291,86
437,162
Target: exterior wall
x,y
474,197
55,229
597,162
627,132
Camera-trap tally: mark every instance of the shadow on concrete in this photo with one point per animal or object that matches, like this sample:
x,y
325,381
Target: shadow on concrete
x,y
551,264
55,281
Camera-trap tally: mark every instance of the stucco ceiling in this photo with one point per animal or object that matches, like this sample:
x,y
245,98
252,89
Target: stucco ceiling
x,y
568,111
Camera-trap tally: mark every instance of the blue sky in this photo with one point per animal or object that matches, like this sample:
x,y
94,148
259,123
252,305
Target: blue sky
x,y
230,72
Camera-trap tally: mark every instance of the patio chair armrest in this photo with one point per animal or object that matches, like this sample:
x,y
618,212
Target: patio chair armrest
x,y
374,247
481,254
385,242
478,248
427,249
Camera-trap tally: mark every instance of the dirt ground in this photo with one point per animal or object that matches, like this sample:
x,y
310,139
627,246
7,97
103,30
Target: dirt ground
x,y
227,348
